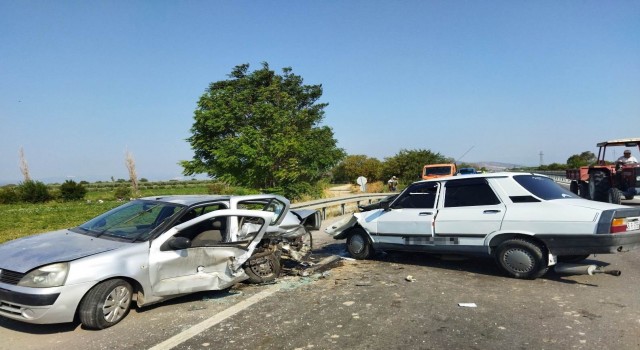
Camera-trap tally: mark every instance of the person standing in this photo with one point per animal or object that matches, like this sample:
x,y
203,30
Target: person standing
x,y
393,183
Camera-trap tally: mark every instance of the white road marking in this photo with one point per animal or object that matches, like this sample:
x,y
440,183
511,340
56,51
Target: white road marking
x,y
213,320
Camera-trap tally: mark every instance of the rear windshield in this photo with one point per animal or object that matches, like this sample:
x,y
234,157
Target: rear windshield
x,y
438,170
543,187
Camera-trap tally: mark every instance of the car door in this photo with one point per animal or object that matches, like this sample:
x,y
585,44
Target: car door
x,y
468,212
409,217
177,267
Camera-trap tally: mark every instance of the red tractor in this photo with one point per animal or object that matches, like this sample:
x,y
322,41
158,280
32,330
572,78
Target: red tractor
x,y
608,182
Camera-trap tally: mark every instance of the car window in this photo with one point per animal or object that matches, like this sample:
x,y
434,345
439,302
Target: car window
x,y
195,212
437,170
132,221
543,187
265,204
419,195
467,193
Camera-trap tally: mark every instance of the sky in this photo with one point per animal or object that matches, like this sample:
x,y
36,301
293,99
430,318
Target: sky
x,y
84,82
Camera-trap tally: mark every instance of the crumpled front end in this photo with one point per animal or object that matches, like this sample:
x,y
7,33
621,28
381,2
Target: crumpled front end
x,y
338,229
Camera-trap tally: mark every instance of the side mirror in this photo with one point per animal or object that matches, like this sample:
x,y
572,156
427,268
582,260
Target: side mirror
x,y
179,243
385,206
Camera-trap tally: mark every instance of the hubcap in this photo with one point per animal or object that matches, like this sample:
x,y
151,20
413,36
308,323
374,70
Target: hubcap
x,y
357,244
116,304
519,260
263,267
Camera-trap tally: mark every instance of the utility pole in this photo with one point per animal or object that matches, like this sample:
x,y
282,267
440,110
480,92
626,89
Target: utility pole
x,y
541,158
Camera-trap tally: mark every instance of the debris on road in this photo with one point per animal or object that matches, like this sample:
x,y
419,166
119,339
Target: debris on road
x,y
410,278
467,305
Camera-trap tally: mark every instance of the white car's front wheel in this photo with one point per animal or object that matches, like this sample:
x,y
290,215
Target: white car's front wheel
x,y
106,304
522,258
358,244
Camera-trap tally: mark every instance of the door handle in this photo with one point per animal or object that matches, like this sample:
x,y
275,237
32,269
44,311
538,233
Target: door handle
x,y
425,213
493,211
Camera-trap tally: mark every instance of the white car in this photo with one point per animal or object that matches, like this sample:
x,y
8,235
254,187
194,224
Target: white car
x,y
147,251
526,221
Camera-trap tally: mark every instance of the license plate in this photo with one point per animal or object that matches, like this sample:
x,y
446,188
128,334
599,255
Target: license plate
x,y
633,225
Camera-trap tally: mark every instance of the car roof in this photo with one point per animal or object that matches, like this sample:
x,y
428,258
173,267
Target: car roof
x,y
480,175
188,200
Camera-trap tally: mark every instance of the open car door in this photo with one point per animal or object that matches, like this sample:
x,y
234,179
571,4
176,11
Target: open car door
x,y
204,253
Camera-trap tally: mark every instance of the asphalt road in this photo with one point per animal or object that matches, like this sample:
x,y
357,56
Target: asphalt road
x,y
374,305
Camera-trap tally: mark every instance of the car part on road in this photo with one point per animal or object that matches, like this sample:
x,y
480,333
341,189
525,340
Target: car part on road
x,y
576,269
105,304
522,258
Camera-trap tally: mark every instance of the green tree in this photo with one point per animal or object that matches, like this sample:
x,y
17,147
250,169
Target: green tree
x,y
583,159
71,191
407,164
262,130
354,166
33,192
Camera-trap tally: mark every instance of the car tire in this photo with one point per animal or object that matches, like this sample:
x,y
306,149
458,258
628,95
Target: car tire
x,y
105,304
598,186
572,258
522,258
573,187
263,269
358,244
629,197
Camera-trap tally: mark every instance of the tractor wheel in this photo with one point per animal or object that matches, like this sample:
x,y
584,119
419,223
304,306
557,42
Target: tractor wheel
x,y
573,187
599,186
584,190
615,196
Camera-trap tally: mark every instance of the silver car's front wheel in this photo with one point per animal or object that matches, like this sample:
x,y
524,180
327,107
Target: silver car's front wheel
x,y
105,304
358,244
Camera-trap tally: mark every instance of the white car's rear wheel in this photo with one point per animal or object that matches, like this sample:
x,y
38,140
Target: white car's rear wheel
x,y
521,258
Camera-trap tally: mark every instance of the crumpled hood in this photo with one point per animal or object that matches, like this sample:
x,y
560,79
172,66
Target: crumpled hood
x,y
24,254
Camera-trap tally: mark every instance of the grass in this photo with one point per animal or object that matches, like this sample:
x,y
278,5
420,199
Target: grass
x,y
19,220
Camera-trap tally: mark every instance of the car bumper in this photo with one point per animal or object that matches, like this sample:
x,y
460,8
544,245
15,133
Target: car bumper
x,y
41,305
591,243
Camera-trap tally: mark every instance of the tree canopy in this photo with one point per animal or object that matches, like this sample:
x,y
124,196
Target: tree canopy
x,y
262,130
407,164
357,165
583,159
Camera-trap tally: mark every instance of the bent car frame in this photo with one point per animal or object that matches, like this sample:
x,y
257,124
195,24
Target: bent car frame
x,y
525,221
147,251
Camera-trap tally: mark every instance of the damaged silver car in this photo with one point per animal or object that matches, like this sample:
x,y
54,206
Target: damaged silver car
x,y
147,251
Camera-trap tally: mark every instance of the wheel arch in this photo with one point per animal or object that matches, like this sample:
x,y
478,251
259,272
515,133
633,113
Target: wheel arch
x,y
497,239
136,293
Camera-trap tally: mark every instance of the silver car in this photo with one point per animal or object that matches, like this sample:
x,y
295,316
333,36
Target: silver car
x,y
149,250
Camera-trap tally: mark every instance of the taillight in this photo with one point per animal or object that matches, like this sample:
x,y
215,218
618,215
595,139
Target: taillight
x,y
619,225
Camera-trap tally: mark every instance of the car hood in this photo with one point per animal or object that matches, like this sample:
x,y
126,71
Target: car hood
x,y
24,254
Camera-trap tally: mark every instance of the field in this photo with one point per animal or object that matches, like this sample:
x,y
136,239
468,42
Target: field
x,y
18,220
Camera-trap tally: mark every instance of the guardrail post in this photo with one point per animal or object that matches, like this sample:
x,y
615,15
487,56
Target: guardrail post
x,y
324,213
342,206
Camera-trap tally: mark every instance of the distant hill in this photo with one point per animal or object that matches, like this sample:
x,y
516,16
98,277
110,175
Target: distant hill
x,y
497,166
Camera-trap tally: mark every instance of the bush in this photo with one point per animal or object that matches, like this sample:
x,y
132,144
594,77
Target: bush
x,y
71,191
8,195
218,188
33,192
122,193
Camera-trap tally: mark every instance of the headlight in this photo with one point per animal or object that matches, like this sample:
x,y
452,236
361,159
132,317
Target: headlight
x,y
53,275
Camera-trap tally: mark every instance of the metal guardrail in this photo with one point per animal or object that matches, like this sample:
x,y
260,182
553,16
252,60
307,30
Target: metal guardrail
x,y
325,203
342,202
